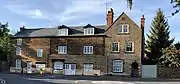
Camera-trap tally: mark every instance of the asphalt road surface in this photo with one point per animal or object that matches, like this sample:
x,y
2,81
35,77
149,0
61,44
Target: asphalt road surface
x,y
56,79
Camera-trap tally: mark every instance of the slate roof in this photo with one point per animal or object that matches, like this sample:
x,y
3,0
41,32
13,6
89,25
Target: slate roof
x,y
48,32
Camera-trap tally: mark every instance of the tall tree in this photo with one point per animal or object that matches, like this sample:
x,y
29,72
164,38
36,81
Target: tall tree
x,y
176,5
5,42
177,45
158,37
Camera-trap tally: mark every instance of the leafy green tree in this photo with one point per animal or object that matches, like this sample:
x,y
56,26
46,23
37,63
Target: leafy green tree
x,y
158,38
176,5
177,45
5,42
170,57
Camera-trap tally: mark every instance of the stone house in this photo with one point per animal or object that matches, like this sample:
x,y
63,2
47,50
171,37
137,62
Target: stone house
x,y
81,50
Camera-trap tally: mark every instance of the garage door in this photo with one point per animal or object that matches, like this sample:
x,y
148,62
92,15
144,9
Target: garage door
x,y
70,69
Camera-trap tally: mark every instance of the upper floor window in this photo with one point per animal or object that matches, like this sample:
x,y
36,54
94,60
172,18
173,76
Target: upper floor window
x,y
129,46
19,41
62,49
115,47
39,52
88,50
123,28
63,32
89,31
18,51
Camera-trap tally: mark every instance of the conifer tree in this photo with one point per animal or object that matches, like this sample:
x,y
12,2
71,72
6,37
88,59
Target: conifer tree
x,y
158,38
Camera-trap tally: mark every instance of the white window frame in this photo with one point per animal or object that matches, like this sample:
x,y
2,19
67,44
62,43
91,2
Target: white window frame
x,y
18,64
89,31
88,50
19,41
120,65
88,67
58,65
40,50
127,44
113,45
122,28
62,49
18,50
40,66
63,32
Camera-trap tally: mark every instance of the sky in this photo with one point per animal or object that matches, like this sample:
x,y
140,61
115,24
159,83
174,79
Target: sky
x,y
51,13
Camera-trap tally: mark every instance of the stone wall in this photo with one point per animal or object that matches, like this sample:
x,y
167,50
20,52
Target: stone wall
x,y
168,72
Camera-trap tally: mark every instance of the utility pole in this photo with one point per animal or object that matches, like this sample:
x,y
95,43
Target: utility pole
x,y
107,3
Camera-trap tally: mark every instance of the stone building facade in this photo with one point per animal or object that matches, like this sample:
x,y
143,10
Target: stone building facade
x,y
81,50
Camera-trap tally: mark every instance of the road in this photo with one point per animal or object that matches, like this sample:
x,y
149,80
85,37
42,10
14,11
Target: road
x,y
56,79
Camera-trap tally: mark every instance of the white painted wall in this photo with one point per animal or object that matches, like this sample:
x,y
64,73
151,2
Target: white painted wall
x,y
149,71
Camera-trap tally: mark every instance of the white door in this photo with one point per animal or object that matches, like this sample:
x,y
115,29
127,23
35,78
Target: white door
x,y
29,67
70,69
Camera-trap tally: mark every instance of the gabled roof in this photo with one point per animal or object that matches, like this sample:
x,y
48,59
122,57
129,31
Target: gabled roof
x,y
89,26
118,19
48,32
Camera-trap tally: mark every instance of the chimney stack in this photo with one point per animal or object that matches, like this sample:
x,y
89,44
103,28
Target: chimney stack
x,y
142,21
142,39
22,28
110,17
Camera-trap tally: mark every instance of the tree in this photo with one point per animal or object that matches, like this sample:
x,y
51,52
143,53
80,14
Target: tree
x,y
177,45
5,42
158,38
170,57
176,5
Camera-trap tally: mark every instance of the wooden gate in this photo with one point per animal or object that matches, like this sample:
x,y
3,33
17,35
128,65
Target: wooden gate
x,y
4,66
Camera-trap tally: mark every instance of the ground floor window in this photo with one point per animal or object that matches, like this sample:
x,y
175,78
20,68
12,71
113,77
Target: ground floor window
x,y
58,65
18,64
88,67
117,66
40,66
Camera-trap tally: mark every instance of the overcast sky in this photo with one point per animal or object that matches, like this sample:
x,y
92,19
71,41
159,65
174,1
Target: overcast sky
x,y
50,13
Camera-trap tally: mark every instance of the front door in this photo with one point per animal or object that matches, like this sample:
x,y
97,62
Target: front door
x,y
29,67
70,69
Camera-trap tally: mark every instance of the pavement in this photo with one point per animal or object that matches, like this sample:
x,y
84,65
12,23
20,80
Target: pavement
x,y
60,79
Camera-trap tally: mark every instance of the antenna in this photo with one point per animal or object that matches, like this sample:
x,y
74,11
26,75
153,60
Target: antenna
x,y
107,3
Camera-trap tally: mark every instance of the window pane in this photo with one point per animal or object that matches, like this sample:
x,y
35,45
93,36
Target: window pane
x,y
125,28
117,66
88,49
89,31
88,67
129,46
120,28
62,49
39,52
19,41
18,51
115,47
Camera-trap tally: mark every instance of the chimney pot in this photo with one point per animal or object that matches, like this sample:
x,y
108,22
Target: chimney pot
x,y
142,21
22,28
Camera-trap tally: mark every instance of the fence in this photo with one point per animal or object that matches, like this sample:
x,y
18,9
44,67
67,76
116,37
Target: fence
x,y
149,71
4,66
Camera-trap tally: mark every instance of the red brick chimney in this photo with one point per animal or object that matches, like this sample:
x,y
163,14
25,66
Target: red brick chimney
x,y
142,21
22,28
110,17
